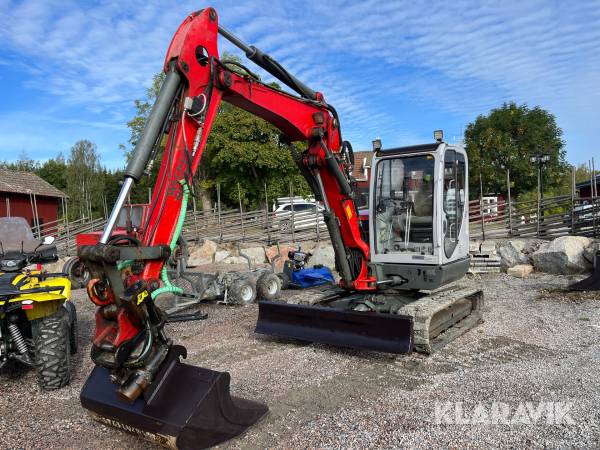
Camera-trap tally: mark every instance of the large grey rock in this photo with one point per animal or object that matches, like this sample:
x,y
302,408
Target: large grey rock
x,y
203,254
590,251
235,260
511,254
531,246
564,255
256,254
323,254
220,255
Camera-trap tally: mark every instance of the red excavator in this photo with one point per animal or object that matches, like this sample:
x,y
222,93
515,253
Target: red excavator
x,y
392,267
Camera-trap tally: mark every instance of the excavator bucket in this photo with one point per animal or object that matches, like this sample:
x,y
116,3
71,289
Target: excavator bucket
x,y
591,283
327,325
186,407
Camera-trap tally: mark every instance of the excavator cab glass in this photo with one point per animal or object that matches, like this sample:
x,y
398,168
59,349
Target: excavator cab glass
x,y
404,196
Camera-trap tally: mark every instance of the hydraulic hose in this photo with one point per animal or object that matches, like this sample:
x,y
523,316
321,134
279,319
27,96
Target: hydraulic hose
x,y
168,287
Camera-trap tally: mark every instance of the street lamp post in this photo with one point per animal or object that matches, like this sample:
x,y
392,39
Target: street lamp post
x,y
540,160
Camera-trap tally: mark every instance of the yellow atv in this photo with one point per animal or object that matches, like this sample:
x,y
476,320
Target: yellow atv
x,y
38,323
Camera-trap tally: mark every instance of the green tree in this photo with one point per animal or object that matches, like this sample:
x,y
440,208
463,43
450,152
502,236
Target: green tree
x,y
243,149
507,138
85,181
54,171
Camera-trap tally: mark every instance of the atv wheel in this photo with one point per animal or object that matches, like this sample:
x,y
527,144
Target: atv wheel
x,y
242,292
268,286
77,272
73,328
52,350
285,280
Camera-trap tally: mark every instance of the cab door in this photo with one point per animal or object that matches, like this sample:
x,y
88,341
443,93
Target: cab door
x,y
454,211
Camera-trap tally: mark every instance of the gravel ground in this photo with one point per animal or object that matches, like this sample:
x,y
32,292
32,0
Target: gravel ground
x,y
538,344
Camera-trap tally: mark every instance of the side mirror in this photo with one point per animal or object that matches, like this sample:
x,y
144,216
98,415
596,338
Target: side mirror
x,y
48,240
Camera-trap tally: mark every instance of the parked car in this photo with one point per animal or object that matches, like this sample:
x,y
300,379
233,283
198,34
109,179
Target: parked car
x,y
303,214
582,215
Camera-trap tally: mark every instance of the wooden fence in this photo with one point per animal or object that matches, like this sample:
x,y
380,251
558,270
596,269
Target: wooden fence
x,y
544,218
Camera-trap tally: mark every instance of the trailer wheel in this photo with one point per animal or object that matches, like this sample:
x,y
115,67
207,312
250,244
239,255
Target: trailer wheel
x,y
77,272
52,350
268,286
242,292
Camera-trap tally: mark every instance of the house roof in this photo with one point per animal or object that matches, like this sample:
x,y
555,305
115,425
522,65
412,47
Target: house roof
x,y
26,182
361,160
588,182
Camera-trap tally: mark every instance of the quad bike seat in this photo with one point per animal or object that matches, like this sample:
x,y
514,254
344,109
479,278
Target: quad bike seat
x,y
7,286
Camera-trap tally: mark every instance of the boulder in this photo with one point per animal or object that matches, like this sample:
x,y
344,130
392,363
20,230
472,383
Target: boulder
x,y
256,254
474,246
511,254
520,270
220,255
203,254
235,260
564,255
488,247
531,245
323,254
590,251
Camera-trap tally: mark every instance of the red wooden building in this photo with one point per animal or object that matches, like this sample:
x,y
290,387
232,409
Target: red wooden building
x,y
362,173
24,194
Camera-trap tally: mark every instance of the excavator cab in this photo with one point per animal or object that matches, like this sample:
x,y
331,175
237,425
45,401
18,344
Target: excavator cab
x,y
418,215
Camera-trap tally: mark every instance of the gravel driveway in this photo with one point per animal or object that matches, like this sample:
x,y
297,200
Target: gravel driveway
x,y
538,352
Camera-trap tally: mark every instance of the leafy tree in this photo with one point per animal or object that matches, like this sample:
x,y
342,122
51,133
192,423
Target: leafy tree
x,y
507,138
243,149
54,171
583,173
23,164
85,182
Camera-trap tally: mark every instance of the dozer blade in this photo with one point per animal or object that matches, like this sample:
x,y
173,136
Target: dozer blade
x,y
591,283
186,407
327,325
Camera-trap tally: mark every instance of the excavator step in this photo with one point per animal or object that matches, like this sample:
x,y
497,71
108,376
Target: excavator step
x,y
186,407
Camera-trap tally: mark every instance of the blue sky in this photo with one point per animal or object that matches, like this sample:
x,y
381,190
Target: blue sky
x,y
393,69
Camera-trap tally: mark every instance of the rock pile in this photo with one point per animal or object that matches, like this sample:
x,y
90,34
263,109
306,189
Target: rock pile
x,y
564,255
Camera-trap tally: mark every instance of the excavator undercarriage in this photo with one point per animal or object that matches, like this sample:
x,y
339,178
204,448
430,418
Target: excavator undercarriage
x,y
395,322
